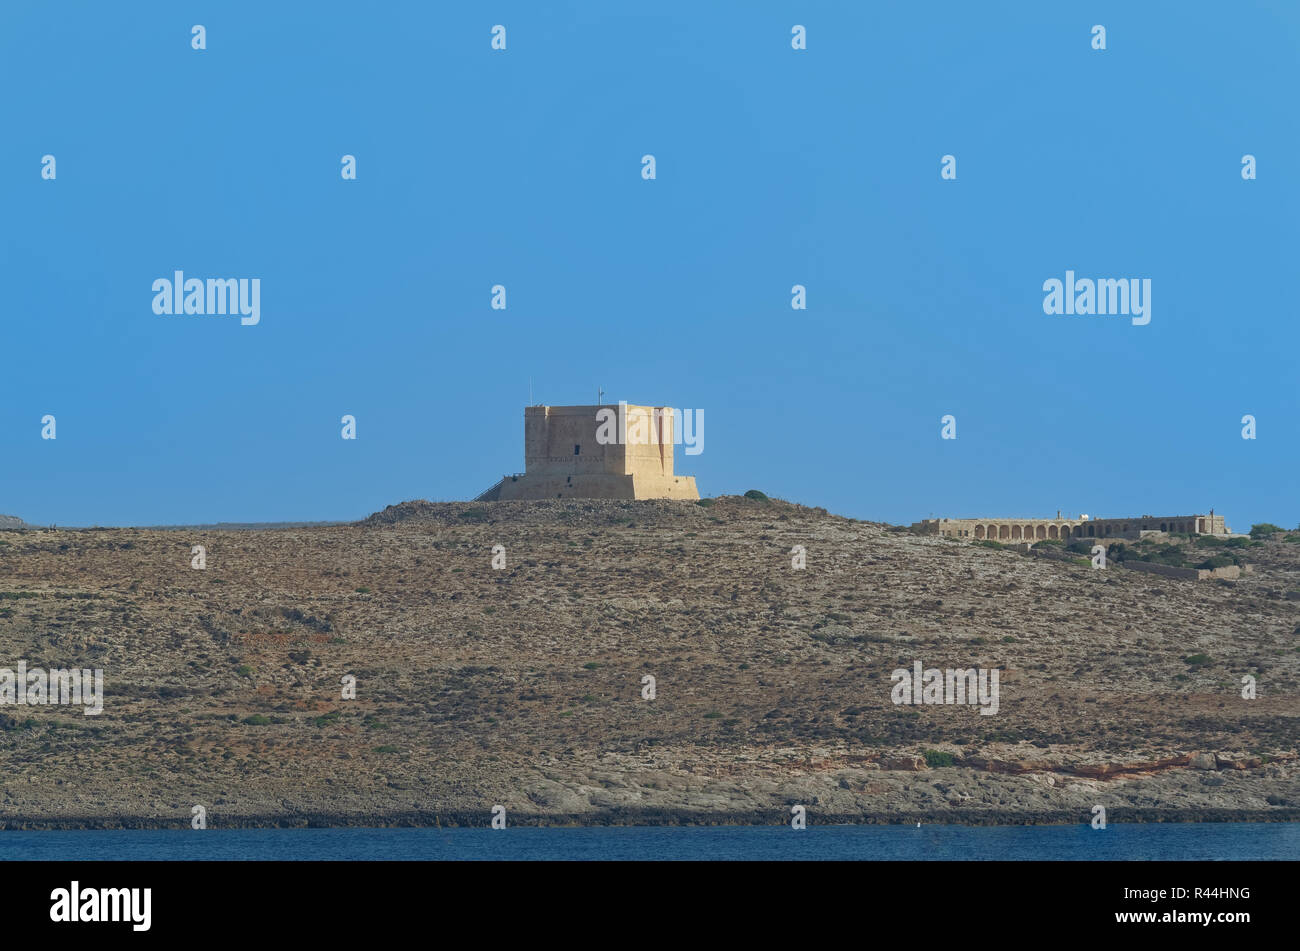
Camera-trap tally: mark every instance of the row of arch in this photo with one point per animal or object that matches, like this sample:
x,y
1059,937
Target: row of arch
x,y
1025,532
1021,532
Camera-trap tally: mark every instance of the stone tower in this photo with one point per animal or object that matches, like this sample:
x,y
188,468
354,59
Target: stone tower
x,y
597,452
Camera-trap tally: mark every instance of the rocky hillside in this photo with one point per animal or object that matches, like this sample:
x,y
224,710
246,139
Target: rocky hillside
x,y
523,686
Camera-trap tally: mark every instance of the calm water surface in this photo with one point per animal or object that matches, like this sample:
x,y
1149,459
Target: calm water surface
x,y
1173,841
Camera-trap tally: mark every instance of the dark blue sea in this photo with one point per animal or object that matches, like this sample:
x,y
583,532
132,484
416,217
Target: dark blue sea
x,y
1162,841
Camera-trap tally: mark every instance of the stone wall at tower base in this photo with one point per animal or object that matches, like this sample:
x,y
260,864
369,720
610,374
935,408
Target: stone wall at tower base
x,y
1231,572
606,485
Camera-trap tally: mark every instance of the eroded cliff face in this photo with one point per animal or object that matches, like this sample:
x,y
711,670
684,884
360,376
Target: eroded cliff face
x,y
525,685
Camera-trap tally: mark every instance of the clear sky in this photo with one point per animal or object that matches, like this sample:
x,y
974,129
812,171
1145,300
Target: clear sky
x,y
775,167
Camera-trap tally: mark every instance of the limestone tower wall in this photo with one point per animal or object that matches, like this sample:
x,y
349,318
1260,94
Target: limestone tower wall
x,y
622,451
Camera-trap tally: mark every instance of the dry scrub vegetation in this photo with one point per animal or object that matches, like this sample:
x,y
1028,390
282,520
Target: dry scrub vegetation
x,y
523,686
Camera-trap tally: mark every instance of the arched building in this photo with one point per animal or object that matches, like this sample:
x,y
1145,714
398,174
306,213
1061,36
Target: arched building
x,y
1023,530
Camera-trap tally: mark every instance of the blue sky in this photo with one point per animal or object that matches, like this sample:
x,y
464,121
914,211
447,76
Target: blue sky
x,y
775,167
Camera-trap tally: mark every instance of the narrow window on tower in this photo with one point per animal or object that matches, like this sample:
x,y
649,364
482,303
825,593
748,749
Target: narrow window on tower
x,y
576,450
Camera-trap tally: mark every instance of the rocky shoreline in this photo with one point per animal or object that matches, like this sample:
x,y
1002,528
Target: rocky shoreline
x,y
869,793
649,818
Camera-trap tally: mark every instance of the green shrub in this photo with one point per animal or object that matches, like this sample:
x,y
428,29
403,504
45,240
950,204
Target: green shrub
x,y
1217,561
1265,529
705,502
936,758
474,515
1197,660
257,719
1163,553
989,543
756,495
